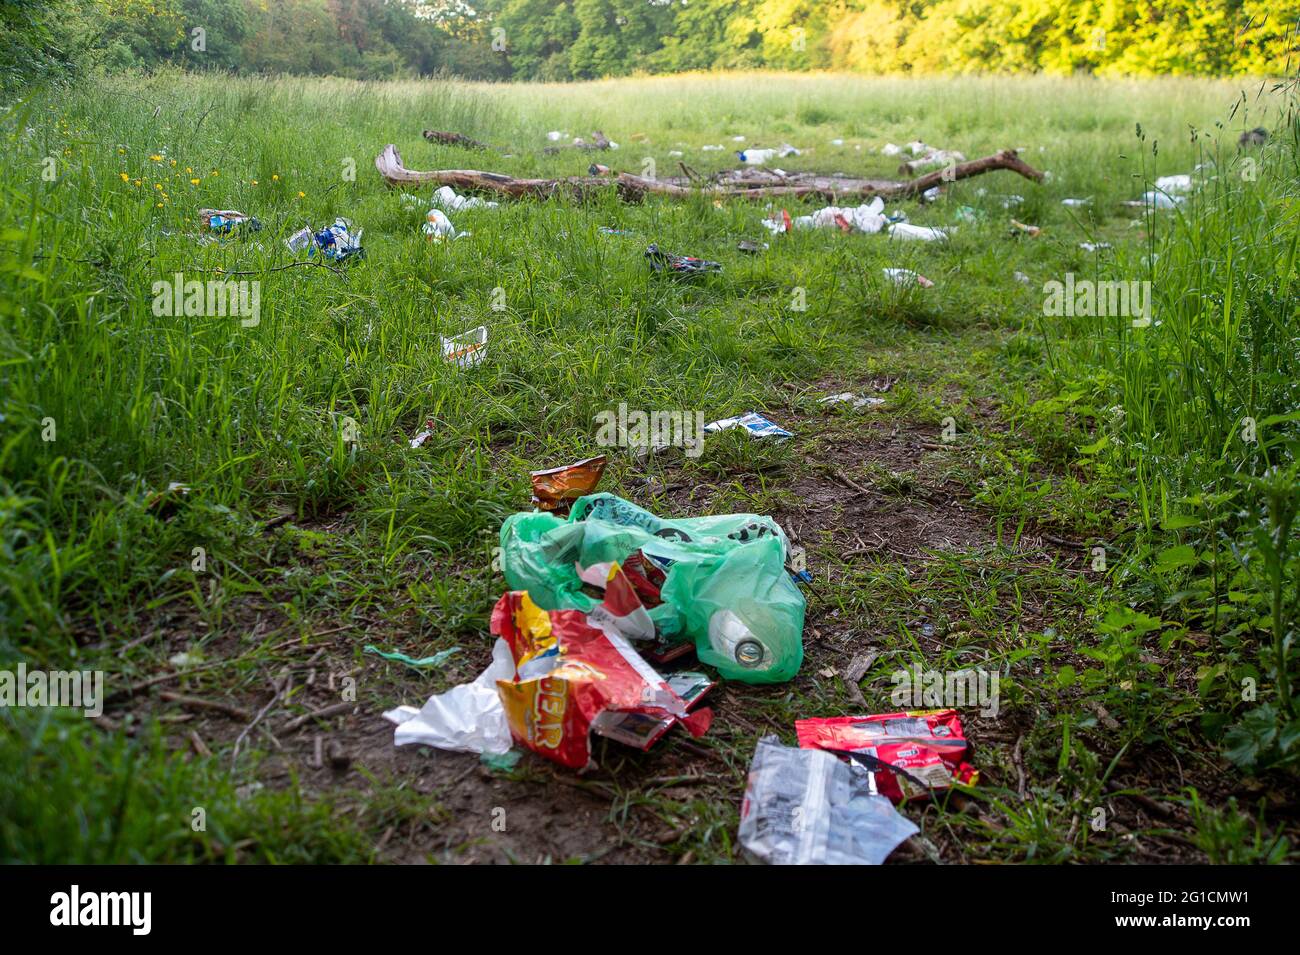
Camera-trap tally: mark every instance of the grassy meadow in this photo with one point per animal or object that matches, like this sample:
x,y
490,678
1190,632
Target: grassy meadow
x,y
1111,529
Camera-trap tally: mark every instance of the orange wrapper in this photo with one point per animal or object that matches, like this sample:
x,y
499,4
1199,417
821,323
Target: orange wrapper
x,y
556,488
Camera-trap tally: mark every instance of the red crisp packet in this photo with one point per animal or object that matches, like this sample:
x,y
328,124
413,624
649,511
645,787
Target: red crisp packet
x,y
646,578
912,753
574,677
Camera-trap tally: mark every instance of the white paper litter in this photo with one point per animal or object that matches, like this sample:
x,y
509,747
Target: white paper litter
x,y
921,233
1161,200
437,226
466,719
935,158
1175,184
466,349
859,401
757,157
446,198
906,277
868,217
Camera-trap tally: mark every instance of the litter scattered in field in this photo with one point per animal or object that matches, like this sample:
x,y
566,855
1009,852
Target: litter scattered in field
x,y
757,157
466,719
918,233
804,807
662,261
437,227
227,222
446,198
868,218
554,489
421,663
337,242
913,754
1153,199
466,349
857,401
718,582
423,435
753,423
906,277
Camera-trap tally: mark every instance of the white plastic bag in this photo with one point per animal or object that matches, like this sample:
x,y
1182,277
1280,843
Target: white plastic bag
x,y
466,719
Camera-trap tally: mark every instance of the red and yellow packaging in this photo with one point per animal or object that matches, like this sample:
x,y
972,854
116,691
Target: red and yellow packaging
x,y
573,678
925,746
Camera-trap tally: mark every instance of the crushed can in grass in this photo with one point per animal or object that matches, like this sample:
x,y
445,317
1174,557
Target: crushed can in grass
x,y
719,582
913,753
554,489
753,423
577,674
804,807
667,262
466,349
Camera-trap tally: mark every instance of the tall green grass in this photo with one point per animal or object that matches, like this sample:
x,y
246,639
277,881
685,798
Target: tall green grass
x,y
1197,418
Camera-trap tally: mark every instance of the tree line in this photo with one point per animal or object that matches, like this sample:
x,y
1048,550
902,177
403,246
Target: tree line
x,y
585,39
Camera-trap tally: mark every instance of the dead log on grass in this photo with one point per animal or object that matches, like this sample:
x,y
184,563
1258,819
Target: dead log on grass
x,y
739,184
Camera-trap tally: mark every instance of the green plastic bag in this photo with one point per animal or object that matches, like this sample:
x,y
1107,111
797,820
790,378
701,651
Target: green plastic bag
x,y
726,588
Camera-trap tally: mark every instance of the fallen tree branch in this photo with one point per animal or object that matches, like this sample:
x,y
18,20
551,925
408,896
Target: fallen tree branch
x,y
198,703
742,184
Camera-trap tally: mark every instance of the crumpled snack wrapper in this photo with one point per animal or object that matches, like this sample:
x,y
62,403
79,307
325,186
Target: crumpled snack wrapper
x,y
555,489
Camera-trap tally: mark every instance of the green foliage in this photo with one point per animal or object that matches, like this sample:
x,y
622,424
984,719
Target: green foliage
x,y
109,799
582,39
